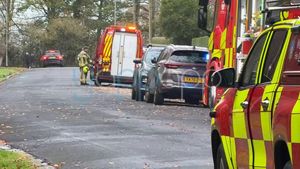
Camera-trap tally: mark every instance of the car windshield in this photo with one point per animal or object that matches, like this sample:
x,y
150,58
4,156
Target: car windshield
x,y
151,54
190,56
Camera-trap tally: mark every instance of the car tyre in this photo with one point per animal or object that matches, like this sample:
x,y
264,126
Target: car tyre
x,y
149,97
138,93
133,94
221,162
158,98
288,165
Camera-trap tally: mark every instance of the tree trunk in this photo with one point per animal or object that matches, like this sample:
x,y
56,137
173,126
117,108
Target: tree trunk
x,y
136,12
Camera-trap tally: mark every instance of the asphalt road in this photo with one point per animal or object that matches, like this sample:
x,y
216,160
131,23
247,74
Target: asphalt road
x,y
46,113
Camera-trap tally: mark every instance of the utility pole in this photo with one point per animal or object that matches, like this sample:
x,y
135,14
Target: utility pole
x,y
7,32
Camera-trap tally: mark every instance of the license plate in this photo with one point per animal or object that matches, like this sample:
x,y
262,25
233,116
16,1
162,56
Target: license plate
x,y
193,80
53,57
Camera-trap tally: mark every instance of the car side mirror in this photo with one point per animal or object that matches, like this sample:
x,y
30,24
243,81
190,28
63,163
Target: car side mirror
x,y
224,78
137,61
154,61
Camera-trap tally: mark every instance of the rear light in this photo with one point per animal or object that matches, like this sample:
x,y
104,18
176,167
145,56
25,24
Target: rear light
x,y
44,57
59,57
171,66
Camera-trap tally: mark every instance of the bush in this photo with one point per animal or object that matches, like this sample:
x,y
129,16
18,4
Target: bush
x,y
161,40
200,41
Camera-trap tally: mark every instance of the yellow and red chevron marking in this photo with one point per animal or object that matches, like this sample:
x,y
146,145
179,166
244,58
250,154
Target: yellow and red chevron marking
x,y
107,48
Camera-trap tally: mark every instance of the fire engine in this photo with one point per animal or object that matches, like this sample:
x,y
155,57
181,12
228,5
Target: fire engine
x,y
256,123
117,48
227,21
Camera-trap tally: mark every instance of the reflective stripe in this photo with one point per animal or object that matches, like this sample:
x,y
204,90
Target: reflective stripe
x,y
234,37
260,159
233,152
290,151
211,41
217,53
226,142
227,58
295,125
239,125
238,116
223,39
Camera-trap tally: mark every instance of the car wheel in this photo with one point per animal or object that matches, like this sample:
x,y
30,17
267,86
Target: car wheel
x,y
133,94
221,159
158,98
97,81
288,165
139,95
148,97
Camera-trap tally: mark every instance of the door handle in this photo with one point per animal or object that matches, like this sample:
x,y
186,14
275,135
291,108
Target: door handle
x,y
245,104
265,104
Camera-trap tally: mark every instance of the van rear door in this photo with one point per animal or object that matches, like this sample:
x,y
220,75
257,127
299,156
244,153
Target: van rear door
x,y
124,51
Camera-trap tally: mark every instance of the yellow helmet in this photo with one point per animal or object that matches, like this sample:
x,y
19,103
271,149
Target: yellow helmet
x,y
85,69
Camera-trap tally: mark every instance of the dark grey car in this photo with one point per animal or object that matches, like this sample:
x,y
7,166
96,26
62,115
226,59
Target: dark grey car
x,y
178,73
141,71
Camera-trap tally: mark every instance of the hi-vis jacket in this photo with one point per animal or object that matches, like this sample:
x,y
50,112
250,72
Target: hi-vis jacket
x,y
257,123
83,59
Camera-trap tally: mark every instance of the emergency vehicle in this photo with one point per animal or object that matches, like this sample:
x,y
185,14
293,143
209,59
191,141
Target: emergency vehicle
x,y
117,48
227,21
256,123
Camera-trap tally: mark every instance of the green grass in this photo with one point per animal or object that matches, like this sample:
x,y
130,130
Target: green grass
x,y
13,160
8,71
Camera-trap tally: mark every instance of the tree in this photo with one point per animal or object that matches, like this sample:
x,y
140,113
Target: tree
x,y
65,34
178,20
51,9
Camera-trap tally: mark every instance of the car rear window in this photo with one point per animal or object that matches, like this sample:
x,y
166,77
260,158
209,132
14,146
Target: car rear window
x,y
189,56
52,54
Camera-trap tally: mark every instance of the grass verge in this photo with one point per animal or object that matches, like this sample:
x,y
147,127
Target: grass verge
x,y
8,71
14,160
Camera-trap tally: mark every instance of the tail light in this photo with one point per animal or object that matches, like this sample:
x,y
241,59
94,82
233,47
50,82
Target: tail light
x,y
44,57
59,57
171,66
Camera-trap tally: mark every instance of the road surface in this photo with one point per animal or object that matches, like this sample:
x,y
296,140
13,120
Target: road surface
x,y
46,113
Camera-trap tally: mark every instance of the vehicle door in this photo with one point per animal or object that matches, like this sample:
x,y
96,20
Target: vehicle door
x,y
262,97
124,50
153,73
242,154
286,109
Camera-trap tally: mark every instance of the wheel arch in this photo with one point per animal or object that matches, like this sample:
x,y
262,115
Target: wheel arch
x,y
281,154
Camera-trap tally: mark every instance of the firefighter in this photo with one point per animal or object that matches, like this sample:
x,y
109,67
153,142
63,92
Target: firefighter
x,y
84,61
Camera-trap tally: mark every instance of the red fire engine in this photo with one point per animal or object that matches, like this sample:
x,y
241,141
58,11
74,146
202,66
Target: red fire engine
x,y
117,48
227,21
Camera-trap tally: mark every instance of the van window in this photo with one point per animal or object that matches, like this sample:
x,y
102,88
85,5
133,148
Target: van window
x,y
249,74
273,55
291,70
